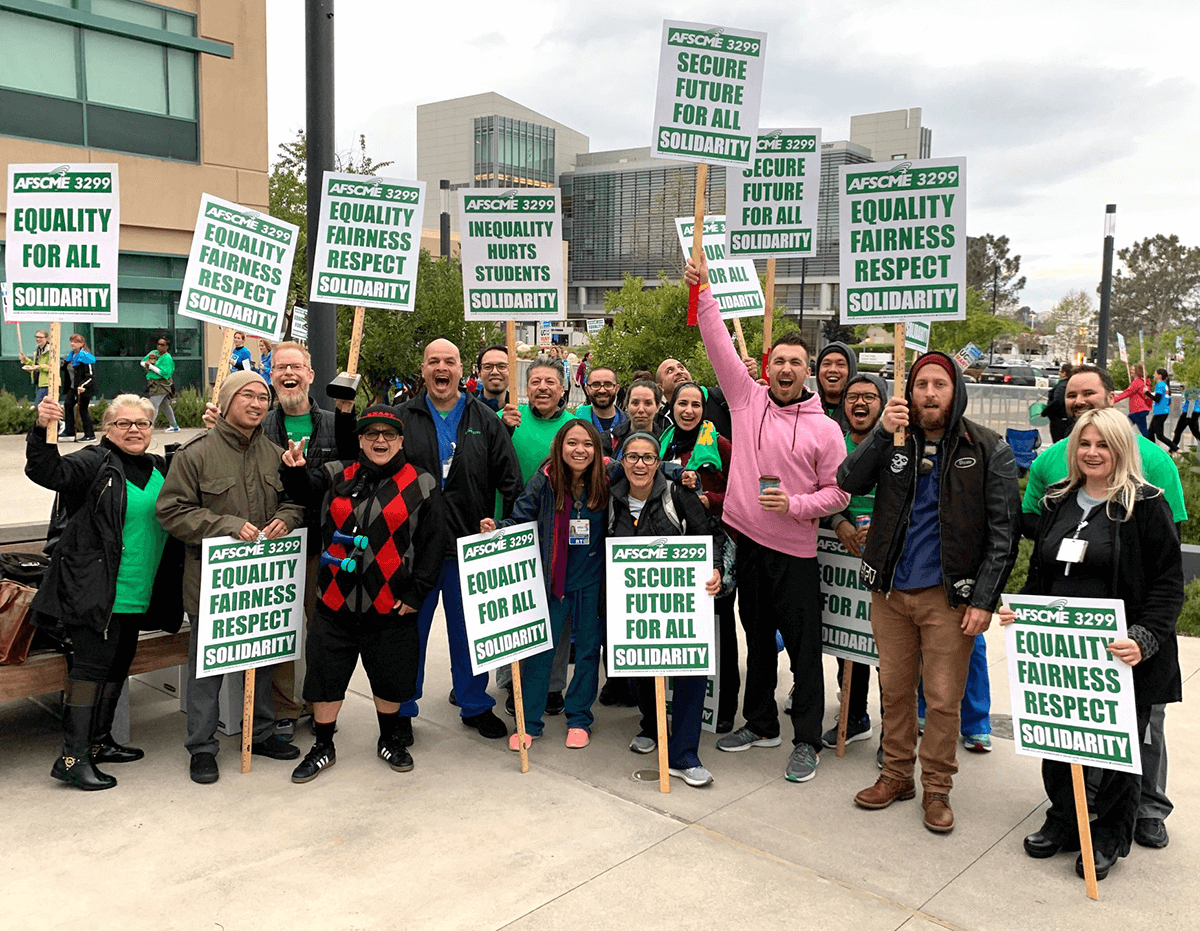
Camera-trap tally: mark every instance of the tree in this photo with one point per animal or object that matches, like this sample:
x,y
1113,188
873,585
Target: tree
x,y
984,253
649,325
1072,326
980,327
1157,288
835,331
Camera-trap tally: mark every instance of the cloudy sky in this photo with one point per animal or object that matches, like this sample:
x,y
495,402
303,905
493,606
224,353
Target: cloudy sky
x,y
1058,109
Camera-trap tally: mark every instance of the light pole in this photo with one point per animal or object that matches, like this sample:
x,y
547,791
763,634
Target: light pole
x,y
319,131
444,186
995,291
1110,230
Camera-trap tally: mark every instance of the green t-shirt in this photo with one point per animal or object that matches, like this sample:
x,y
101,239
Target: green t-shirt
x,y
859,504
532,439
298,427
142,541
1157,467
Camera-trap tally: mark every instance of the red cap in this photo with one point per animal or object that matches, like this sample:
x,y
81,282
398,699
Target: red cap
x,y
936,359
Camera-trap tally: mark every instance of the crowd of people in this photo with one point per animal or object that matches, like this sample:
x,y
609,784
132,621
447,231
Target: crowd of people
x,y
925,497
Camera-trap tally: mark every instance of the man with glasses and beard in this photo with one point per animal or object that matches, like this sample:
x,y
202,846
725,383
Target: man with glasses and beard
x,y
493,376
943,539
602,387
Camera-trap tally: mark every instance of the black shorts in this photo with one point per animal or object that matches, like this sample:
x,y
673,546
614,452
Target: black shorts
x,y
388,644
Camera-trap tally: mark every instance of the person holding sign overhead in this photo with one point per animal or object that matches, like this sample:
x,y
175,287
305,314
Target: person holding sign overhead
x,y
383,535
567,497
1105,532
644,503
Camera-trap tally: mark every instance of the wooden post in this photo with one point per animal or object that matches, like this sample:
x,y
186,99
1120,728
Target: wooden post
x,y
247,719
660,707
767,317
898,357
737,328
510,334
1085,831
519,707
697,238
223,366
844,713
355,341
52,391
20,345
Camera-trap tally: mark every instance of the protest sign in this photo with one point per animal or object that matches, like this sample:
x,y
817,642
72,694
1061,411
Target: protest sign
x,y
545,335
709,89
64,227
1072,700
251,603
903,239
595,325
369,241
734,282
300,323
238,269
845,603
512,254
504,596
712,692
660,618
771,206
1122,348
916,335
968,356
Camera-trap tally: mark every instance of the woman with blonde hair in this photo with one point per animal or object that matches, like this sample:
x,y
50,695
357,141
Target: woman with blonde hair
x,y
1127,548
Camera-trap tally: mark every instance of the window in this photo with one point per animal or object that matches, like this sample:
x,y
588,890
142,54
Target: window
x,y
108,74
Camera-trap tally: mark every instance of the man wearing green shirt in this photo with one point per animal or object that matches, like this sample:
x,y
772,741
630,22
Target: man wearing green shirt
x,y
160,380
534,423
1091,387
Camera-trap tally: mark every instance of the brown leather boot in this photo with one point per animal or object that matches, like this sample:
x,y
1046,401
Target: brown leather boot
x,y
938,816
884,792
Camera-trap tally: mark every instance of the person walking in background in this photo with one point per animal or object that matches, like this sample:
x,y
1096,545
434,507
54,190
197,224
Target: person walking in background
x,y
1191,399
79,387
160,381
1162,407
1139,403
1056,407
240,360
38,367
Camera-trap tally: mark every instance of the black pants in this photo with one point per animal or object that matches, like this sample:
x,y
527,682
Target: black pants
x,y
83,401
783,592
730,668
1157,424
859,680
97,658
1190,421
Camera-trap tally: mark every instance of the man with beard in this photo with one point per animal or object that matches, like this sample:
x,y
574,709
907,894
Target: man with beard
x,y
943,539
459,440
671,373
602,387
836,365
1091,388
493,376
642,403
534,424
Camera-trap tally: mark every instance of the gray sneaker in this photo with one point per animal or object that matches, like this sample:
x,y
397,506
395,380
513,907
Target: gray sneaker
x,y
696,776
642,744
855,730
802,765
743,739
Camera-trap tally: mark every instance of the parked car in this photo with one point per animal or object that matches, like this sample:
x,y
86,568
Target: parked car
x,y
1000,373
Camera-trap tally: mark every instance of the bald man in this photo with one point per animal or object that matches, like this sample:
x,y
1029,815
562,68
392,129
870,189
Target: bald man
x,y
458,438
672,373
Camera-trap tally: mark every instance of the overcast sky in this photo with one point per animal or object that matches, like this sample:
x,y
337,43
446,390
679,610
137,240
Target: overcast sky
x,y
1058,109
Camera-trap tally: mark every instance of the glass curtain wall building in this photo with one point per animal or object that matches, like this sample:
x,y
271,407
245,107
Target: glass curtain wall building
x,y
513,153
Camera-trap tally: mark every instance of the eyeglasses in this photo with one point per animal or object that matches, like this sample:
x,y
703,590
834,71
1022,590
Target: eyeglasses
x,y
289,367
606,385
260,398
635,458
862,398
123,424
494,367
388,436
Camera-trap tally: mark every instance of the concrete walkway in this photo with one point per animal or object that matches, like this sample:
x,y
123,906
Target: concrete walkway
x,y
466,841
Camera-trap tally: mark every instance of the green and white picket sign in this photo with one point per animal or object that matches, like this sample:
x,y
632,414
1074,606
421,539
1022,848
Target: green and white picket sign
x,y
771,206
63,238
660,618
903,234
239,268
916,335
734,282
1122,349
709,90
1072,700
504,596
369,241
595,325
512,254
251,603
845,603
712,693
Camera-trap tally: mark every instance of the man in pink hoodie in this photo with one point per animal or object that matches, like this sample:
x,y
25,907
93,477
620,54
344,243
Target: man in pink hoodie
x,y
782,480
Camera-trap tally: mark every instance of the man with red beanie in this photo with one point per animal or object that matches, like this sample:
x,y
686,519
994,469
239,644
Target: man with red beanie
x,y
943,540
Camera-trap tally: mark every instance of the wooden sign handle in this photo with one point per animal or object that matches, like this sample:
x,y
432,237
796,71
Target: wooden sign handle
x,y
697,238
768,315
898,385
52,390
20,345
223,368
1085,831
519,707
660,708
247,719
844,712
356,332
510,335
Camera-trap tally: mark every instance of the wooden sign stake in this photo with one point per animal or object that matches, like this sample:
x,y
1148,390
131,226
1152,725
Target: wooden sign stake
x,y
898,356
660,706
1085,832
519,707
844,713
223,367
247,719
698,239
767,316
356,332
52,391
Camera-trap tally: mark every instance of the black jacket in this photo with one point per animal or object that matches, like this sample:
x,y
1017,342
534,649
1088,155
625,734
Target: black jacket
x,y
979,507
1147,574
654,520
837,411
80,586
1056,411
485,464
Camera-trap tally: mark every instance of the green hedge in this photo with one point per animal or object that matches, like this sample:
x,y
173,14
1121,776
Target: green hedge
x,y
17,415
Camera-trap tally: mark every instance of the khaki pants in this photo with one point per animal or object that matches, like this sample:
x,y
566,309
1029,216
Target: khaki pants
x,y
918,633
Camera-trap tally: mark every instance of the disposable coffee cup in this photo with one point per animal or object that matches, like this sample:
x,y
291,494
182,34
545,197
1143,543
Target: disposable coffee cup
x,y
767,481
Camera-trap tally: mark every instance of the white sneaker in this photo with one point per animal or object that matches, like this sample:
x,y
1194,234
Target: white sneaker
x,y
696,776
642,744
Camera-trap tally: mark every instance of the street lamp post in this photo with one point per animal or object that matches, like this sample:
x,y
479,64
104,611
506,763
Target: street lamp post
x,y
444,186
319,131
1110,230
995,291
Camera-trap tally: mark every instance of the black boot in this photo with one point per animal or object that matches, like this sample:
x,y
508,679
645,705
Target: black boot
x,y
104,748
75,766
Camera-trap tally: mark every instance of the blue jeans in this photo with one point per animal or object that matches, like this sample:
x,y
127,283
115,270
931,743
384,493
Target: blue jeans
x,y
582,609
687,714
38,394
977,699
469,691
1139,421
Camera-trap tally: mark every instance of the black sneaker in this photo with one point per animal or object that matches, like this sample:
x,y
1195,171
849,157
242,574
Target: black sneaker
x,y
487,724
555,704
276,748
204,768
510,706
320,757
855,730
453,699
392,753
404,731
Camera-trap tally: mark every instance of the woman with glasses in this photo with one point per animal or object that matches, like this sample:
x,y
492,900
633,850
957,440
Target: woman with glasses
x,y
160,381
383,527
108,577
644,503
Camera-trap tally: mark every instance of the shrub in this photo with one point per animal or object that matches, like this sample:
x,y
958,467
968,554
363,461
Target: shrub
x,y
16,415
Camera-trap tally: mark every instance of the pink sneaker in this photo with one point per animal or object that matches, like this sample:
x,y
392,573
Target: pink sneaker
x,y
515,745
577,738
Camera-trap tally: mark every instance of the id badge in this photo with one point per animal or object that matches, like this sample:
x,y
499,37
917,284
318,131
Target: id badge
x,y
579,533
1072,550
446,468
